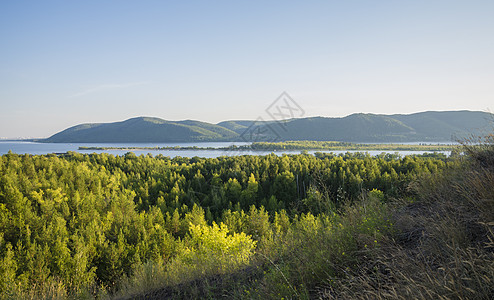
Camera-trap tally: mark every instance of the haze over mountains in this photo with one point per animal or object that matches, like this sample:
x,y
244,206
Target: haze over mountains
x,y
442,126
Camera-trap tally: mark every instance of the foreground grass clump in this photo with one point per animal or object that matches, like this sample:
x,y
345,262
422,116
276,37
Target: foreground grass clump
x,y
444,242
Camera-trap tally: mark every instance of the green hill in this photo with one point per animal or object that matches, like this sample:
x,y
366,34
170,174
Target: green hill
x,y
438,125
356,127
431,126
207,128
444,126
238,126
143,130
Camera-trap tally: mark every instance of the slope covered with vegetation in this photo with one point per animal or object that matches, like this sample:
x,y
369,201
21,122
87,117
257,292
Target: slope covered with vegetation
x,y
298,226
143,130
427,126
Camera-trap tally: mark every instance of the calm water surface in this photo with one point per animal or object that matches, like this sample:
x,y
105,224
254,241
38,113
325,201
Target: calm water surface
x,y
21,147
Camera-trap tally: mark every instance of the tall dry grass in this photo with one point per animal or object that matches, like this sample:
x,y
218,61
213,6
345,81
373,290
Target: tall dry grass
x,y
443,246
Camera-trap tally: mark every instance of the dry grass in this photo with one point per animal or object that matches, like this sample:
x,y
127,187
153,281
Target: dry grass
x,y
444,243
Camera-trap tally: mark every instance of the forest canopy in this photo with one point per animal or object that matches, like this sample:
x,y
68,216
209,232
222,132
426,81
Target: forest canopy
x,y
77,224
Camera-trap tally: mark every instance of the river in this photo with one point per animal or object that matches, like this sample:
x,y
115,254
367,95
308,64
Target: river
x,y
23,147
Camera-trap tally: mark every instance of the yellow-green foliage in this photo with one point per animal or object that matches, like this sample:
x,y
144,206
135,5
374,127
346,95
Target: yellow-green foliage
x,y
207,250
211,250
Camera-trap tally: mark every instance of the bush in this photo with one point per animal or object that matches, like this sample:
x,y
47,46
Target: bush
x,y
207,251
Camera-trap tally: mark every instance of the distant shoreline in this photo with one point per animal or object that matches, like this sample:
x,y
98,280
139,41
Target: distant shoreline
x,y
21,140
295,145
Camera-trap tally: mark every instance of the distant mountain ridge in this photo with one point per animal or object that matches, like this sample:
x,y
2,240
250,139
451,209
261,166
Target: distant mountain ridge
x,y
434,126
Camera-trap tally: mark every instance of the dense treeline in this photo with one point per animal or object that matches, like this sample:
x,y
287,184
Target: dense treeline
x,y
334,146
297,145
78,223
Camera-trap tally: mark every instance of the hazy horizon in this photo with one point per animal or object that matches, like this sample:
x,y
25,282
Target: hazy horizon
x,y
67,63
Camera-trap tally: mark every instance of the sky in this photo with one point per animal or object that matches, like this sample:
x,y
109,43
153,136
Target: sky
x,y
64,63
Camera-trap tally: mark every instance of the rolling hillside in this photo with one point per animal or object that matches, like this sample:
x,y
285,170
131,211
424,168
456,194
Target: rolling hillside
x,y
143,130
445,126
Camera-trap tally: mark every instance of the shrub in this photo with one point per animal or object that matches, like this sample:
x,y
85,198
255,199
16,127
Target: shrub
x,y
206,251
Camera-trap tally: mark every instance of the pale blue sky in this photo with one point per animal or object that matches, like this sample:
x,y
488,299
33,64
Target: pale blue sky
x,y
68,62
